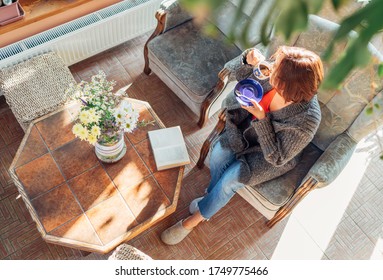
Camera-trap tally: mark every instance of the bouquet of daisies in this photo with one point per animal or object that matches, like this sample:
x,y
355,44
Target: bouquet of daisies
x,y
103,115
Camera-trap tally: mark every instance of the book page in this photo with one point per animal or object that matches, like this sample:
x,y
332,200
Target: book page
x,y
168,147
169,156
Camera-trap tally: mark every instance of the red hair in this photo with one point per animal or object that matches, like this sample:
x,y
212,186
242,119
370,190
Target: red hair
x,y
297,73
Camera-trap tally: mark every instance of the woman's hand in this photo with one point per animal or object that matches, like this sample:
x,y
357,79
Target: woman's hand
x,y
254,57
256,110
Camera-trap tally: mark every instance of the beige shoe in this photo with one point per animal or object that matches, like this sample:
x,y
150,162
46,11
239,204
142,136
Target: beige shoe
x,y
175,234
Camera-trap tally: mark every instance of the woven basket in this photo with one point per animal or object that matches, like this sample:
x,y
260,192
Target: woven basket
x,y
35,87
127,252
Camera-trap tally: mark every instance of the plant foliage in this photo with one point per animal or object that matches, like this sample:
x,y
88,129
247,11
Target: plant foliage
x,y
291,16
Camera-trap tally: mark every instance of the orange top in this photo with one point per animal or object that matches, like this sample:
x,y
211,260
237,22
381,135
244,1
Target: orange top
x,y
266,100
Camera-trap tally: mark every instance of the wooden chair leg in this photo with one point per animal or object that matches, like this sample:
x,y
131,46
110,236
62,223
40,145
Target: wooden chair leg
x,y
286,209
215,132
161,16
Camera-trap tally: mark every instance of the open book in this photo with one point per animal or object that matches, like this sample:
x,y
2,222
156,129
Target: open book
x,y
168,147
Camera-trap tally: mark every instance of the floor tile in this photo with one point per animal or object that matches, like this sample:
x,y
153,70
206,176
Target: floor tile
x,y
129,171
34,148
365,191
267,238
349,243
150,243
296,244
375,171
5,163
111,219
39,175
145,199
167,179
59,200
145,151
92,191
57,138
82,151
10,130
369,217
79,229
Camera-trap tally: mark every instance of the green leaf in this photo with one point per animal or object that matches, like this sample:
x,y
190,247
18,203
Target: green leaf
x,y
361,54
210,30
381,157
347,25
357,53
195,5
369,110
293,17
244,35
377,106
237,17
338,3
314,6
340,70
267,22
380,70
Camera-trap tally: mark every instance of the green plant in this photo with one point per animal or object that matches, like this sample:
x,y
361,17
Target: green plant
x,y
291,16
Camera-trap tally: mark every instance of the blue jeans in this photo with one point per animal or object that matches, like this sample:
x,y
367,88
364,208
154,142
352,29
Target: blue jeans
x,y
224,171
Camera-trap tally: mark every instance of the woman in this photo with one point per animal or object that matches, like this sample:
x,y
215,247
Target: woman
x,y
260,142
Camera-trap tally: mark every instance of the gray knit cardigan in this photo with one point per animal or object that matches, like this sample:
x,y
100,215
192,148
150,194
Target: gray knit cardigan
x,y
272,146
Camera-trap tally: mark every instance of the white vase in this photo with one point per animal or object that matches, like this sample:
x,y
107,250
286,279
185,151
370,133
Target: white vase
x,y
111,152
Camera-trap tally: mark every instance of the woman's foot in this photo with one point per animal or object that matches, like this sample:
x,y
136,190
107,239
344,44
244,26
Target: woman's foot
x,y
175,234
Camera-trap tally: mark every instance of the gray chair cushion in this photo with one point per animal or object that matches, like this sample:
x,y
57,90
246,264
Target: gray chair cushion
x,y
187,63
278,191
35,87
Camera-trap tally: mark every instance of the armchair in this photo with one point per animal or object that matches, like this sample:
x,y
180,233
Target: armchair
x,y
188,61
344,123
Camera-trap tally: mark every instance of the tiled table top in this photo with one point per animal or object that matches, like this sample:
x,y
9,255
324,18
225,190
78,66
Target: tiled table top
x,y
80,202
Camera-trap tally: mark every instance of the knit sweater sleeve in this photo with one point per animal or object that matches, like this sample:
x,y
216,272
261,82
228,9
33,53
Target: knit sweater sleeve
x,y
280,147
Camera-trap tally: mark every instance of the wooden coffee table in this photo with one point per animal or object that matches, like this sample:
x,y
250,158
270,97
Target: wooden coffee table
x,y
80,202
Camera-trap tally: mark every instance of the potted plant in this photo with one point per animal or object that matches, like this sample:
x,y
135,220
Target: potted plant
x,y
10,11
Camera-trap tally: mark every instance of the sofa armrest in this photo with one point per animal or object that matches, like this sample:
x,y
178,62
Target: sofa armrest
x,y
332,161
175,14
323,172
233,69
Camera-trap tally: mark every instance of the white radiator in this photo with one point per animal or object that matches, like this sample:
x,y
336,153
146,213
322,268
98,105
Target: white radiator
x,y
86,36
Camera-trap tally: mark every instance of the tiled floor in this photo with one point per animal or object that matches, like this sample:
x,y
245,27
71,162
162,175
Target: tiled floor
x,y
341,221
